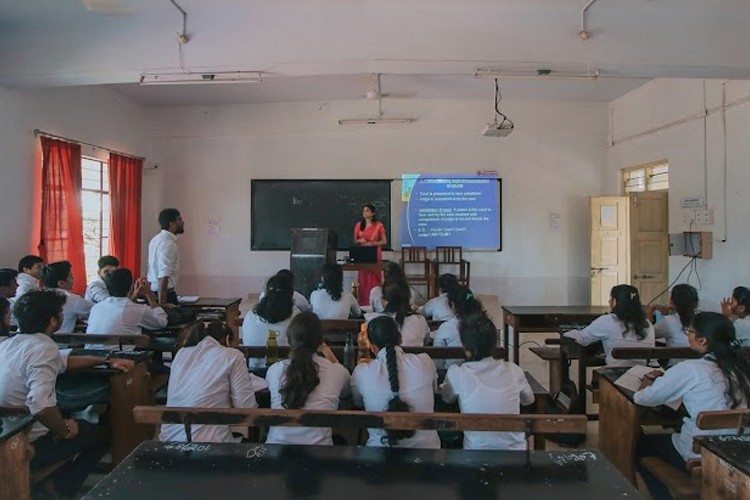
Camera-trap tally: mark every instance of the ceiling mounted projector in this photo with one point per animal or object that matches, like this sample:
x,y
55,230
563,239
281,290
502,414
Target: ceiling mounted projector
x,y
495,129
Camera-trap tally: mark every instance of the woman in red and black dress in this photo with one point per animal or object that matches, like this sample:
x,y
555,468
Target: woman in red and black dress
x,y
369,232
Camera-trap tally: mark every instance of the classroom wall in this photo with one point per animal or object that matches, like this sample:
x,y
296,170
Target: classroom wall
x,y
550,165
94,115
676,106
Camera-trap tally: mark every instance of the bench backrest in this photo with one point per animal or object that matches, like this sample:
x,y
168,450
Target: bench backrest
x,y
660,353
724,419
435,352
101,338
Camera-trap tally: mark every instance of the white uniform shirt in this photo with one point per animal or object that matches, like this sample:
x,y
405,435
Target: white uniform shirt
x,y
670,329
255,333
447,336
414,331
299,300
122,316
609,330
334,384
417,383
742,330
29,366
701,385
163,259
96,291
327,308
75,307
438,308
489,386
207,375
25,282
376,298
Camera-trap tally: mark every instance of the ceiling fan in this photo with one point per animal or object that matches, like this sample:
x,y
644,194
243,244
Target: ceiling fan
x,y
374,90
108,7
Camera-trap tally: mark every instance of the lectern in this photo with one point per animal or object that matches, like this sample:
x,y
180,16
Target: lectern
x,y
311,248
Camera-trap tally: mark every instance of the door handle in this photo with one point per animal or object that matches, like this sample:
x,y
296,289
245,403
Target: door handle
x,y
642,277
598,268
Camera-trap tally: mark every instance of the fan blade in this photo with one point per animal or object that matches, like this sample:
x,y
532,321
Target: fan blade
x,y
109,7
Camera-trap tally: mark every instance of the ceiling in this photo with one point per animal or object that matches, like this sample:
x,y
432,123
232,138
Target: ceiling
x,y
310,50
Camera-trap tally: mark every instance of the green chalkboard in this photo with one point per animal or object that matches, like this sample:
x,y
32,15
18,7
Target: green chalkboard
x,y
279,205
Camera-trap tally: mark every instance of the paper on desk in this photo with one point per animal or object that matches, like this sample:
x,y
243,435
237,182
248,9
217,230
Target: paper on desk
x,y
187,299
632,379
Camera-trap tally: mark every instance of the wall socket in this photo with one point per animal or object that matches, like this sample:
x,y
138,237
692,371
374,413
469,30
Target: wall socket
x,y
693,217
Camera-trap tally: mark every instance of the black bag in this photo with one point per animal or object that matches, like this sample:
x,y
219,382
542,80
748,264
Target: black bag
x,y
179,315
567,400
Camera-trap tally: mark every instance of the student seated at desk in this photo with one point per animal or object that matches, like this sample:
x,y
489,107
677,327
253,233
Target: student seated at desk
x,y
330,302
438,308
29,272
208,373
486,385
8,282
413,327
29,365
311,379
59,275
625,326
463,304
737,309
720,380
96,291
684,300
392,272
286,277
4,318
274,312
395,381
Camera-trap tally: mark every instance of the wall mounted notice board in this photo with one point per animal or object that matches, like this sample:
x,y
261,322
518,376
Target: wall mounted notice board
x,y
276,206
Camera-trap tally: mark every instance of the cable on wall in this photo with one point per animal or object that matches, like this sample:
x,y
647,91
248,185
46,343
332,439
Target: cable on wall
x,y
724,154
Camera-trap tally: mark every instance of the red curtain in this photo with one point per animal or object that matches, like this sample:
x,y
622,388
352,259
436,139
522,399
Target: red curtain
x,y
61,235
125,182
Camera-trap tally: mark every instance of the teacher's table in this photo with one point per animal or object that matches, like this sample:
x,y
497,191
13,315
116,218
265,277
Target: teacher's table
x,y
197,471
15,455
620,421
725,466
544,319
374,267
220,309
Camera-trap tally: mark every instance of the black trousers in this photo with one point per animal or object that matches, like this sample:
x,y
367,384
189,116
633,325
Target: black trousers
x,y
658,445
88,447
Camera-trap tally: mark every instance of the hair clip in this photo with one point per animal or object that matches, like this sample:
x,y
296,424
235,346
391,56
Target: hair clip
x,y
396,394
735,344
633,295
469,296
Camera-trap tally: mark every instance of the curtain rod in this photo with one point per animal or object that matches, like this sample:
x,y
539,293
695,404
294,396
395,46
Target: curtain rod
x,y
38,132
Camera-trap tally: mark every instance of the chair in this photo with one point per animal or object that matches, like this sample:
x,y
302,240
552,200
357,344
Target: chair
x,y
418,269
450,260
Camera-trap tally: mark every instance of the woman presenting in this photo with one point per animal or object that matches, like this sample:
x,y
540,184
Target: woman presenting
x,y
369,232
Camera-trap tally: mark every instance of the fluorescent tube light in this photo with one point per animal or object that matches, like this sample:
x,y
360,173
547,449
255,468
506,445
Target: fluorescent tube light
x,y
546,74
376,121
194,78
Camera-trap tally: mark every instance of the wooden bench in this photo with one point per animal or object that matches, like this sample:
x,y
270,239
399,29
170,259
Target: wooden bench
x,y
435,352
80,339
657,353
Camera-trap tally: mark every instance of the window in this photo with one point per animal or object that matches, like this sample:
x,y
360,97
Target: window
x,y
650,177
96,207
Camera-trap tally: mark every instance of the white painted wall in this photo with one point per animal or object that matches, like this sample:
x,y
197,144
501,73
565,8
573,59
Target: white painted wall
x,y
681,102
94,115
554,160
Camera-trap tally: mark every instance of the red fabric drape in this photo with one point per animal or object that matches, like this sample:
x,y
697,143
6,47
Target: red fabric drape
x,y
61,235
125,182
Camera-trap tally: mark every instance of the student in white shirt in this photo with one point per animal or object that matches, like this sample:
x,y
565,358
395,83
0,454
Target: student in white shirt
x,y
392,272
737,309
395,381
8,282
96,291
29,273
413,327
486,385
331,302
625,326
30,362
208,373
274,312
311,379
164,257
463,304
438,307
4,318
720,380
118,314
684,300
59,275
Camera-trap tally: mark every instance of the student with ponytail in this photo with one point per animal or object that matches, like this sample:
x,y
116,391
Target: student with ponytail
x,y
438,308
625,326
311,379
331,302
463,304
395,381
720,380
684,300
413,327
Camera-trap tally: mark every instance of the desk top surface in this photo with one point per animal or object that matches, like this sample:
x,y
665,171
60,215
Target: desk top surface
x,y
663,411
735,449
213,302
12,425
181,470
555,310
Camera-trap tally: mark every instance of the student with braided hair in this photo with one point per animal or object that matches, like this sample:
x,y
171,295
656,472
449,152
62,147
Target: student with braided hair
x,y
395,381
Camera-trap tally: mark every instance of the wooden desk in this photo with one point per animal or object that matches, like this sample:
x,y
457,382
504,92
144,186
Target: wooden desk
x,y
620,421
374,267
15,455
587,356
544,319
229,306
170,338
725,466
199,471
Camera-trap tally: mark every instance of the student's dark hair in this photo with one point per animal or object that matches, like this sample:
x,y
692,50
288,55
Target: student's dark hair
x,y
287,278
305,334
168,215
742,295
55,272
363,222
463,301
726,351
396,293
478,335
628,309
685,300
277,303
107,260
332,280
4,308
447,281
35,309
216,329
119,282
7,275
392,270
383,332
28,262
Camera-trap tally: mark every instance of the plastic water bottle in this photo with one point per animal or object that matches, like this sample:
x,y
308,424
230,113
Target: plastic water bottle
x,y
272,348
349,354
363,345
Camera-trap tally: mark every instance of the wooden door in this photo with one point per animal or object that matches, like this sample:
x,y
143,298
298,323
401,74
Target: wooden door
x,y
649,242
609,246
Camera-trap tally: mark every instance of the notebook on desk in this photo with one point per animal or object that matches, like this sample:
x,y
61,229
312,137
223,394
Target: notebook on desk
x,y
363,255
187,299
